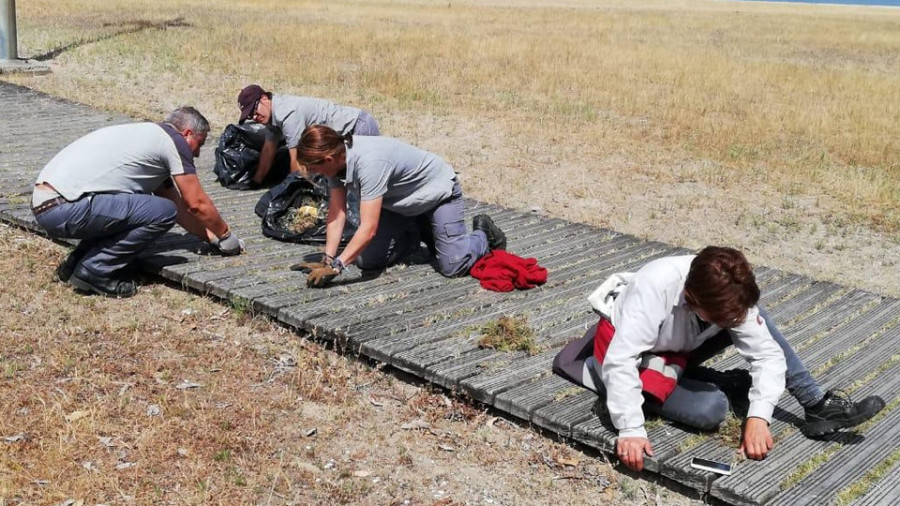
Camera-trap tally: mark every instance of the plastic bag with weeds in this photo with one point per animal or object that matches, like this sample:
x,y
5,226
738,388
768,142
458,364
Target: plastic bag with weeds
x,y
238,155
296,210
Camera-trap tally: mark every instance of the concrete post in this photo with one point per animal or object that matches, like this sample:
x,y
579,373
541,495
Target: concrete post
x,y
9,44
9,47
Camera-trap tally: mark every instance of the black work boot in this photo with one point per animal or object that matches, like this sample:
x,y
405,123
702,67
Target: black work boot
x,y
837,411
66,267
83,280
495,237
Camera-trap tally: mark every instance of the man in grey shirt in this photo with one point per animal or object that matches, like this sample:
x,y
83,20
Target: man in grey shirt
x,y
119,189
286,116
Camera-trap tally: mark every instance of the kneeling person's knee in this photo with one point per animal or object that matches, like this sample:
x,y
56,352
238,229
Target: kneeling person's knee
x,y
713,412
697,404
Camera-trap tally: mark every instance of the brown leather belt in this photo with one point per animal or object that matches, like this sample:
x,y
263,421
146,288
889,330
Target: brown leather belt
x,y
48,205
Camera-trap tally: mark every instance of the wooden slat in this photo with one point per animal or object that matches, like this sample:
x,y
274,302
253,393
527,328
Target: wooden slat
x,y
842,469
749,486
884,492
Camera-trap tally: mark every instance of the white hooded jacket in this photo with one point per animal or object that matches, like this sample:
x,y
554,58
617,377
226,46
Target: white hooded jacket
x,y
649,312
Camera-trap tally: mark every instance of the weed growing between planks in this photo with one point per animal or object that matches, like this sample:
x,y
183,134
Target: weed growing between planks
x,y
862,485
508,333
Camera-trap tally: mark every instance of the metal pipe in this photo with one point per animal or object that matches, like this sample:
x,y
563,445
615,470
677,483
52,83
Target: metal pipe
x,y
9,49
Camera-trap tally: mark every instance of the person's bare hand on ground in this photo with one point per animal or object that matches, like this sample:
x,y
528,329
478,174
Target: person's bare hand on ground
x,y
757,439
630,451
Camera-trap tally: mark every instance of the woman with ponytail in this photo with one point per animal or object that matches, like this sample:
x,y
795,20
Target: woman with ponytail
x,y
406,194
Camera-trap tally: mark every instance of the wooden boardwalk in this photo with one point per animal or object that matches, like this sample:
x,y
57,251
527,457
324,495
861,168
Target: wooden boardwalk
x,y
413,319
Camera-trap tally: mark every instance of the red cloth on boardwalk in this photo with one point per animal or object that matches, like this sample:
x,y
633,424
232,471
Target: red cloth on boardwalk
x,y
502,271
659,372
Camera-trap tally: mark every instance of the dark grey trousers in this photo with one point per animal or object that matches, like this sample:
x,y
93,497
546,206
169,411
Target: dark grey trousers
x,y
366,125
113,227
398,236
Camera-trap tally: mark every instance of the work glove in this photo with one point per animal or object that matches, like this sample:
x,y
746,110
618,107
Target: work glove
x,y
228,244
307,267
321,276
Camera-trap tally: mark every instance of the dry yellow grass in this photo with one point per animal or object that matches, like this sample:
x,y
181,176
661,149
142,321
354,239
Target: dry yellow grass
x,y
807,97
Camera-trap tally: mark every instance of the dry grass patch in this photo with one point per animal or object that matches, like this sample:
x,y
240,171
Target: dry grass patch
x,y
508,333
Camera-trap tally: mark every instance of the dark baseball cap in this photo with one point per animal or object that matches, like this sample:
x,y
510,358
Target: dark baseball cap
x,y
247,100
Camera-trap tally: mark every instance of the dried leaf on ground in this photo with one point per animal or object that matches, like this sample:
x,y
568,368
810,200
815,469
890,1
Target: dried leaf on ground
x,y
187,385
76,415
416,424
567,462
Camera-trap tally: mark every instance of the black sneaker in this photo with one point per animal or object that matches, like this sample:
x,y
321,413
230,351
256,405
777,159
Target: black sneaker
x,y
496,238
837,411
83,280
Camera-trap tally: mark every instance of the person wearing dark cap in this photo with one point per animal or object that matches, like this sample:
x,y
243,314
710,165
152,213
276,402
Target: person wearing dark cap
x,y
287,115
118,190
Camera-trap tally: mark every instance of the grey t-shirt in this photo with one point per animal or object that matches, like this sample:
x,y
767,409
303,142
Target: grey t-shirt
x,y
411,181
291,115
132,158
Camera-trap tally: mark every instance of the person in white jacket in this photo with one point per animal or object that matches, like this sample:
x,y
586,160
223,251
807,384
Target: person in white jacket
x,y
697,305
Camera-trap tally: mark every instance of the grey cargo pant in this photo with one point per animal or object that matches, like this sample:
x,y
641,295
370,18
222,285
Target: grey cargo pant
x,y
113,227
366,125
398,236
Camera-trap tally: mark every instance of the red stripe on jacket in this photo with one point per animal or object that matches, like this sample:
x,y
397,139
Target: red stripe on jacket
x,y
654,382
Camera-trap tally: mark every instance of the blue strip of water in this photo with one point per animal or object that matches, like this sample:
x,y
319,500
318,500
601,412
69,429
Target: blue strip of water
x,y
889,3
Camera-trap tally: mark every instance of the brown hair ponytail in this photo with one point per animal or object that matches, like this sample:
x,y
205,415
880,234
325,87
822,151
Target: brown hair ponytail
x,y
319,141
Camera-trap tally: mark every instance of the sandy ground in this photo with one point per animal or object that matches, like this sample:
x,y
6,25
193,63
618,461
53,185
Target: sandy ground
x,y
667,197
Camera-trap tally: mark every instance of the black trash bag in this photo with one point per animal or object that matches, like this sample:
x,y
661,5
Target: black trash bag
x,y
296,210
238,155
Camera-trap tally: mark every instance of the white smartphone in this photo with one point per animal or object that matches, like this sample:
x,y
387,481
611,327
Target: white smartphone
x,y
711,466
